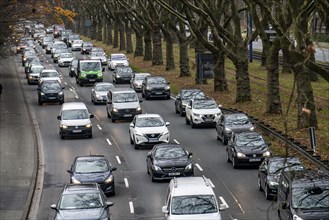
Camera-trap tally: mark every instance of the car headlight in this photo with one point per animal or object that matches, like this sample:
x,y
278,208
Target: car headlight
x,y
115,110
109,179
165,132
30,77
98,96
196,115
228,130
60,93
138,109
267,154
296,217
240,154
83,74
117,76
148,88
272,183
63,126
218,114
100,74
252,128
156,168
42,93
139,134
24,58
189,167
88,125
167,87
75,181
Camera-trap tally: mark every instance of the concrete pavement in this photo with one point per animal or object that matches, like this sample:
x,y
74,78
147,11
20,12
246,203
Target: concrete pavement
x,y
17,145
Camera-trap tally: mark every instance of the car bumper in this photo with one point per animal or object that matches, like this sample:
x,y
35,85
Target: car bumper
x,y
141,140
123,80
59,98
250,161
91,81
158,94
125,115
33,80
197,121
100,100
163,175
72,132
66,63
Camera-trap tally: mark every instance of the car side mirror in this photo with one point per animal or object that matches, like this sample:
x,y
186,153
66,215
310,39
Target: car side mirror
x,y
167,123
219,106
178,97
127,59
53,206
165,210
63,87
149,154
91,116
114,169
69,171
131,125
190,154
140,100
168,82
223,207
108,204
103,69
58,117
92,90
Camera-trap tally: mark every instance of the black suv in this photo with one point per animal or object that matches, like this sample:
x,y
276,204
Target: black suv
x,y
232,123
155,86
50,91
303,195
122,74
166,161
184,96
93,169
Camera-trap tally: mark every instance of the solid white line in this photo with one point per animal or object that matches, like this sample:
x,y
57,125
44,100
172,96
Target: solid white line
x,y
176,141
199,167
126,182
223,201
131,206
108,141
118,159
99,127
211,184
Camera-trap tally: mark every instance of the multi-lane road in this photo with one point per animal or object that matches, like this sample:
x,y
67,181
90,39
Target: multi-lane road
x,y
136,196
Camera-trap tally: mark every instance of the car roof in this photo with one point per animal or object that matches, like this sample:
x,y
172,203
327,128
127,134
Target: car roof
x,y
165,145
307,178
191,186
89,60
81,188
96,157
50,81
118,54
49,70
235,115
122,90
73,105
245,133
145,115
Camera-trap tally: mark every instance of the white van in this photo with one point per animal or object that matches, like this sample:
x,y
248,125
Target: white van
x,y
191,198
75,120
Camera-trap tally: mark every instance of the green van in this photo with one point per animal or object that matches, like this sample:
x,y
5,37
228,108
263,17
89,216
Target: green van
x,y
89,72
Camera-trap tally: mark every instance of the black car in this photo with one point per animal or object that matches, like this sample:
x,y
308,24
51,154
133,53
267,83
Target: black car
x,y
270,170
184,96
247,148
155,87
86,47
50,91
166,161
73,67
232,123
93,168
82,201
122,74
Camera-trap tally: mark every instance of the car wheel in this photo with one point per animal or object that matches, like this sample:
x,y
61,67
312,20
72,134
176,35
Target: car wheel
x,y
192,123
259,184
77,81
227,158
136,145
113,120
146,96
224,140
131,140
143,95
108,114
234,163
90,136
267,193
40,103
181,113
176,110
81,83
152,177
187,121
62,137
61,103
168,97
218,138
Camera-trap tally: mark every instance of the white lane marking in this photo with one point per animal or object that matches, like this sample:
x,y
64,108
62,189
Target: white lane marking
x,y
211,184
71,89
118,159
126,182
65,83
173,97
76,97
223,201
131,206
99,127
108,141
176,141
199,167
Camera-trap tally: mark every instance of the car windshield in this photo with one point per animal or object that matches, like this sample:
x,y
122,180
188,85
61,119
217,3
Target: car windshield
x,y
77,41
125,97
140,77
81,201
50,86
103,87
237,120
156,81
74,37
163,153
149,122
90,66
119,57
36,69
206,104
192,94
87,45
278,166
66,55
59,46
49,74
91,166
75,114
124,70
195,204
97,54
250,140
315,197
61,50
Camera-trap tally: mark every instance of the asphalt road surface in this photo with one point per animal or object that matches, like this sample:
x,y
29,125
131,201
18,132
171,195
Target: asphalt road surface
x,y
136,196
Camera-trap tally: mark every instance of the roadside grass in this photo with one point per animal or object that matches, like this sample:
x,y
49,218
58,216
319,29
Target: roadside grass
x,y
257,106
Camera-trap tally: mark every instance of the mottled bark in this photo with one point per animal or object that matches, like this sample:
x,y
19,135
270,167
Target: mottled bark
x,y
109,37
220,81
273,101
184,65
104,31
157,47
170,60
98,29
286,68
92,30
129,42
243,92
122,36
139,44
116,36
148,45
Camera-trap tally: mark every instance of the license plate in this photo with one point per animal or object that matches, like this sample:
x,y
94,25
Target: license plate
x,y
153,140
208,120
77,131
254,160
174,174
51,97
92,80
158,93
127,115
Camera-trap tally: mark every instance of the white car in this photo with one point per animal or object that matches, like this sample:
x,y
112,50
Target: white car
x,y
98,56
117,59
137,80
50,74
77,45
148,129
65,59
202,112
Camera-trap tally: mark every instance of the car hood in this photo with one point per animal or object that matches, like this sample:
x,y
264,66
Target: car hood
x,y
210,216
119,61
151,130
34,74
91,177
78,122
252,149
81,214
239,128
67,59
126,105
102,93
206,111
125,74
138,82
274,177
51,78
51,91
309,214
172,162
157,85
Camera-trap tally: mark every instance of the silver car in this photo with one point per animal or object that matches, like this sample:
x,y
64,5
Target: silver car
x,y
99,56
99,92
65,59
137,80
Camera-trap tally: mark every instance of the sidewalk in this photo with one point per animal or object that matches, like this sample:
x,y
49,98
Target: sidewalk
x,y
17,143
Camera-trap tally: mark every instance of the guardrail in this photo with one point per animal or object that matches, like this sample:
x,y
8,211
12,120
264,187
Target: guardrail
x,y
289,141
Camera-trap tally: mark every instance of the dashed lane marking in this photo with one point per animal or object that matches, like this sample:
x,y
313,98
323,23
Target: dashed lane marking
x,y
99,127
118,159
176,141
223,201
126,182
211,184
131,206
108,141
199,167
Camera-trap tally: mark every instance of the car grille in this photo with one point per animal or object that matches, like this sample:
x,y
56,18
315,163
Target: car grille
x,y
209,117
153,136
91,76
254,155
126,111
76,127
173,169
160,89
51,94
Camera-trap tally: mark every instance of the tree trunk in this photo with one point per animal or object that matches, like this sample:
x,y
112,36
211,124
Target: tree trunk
x,y
82,26
116,36
148,45
128,39
104,31
109,39
243,92
220,81
157,47
139,44
170,60
98,29
286,67
184,65
273,102
122,36
93,32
